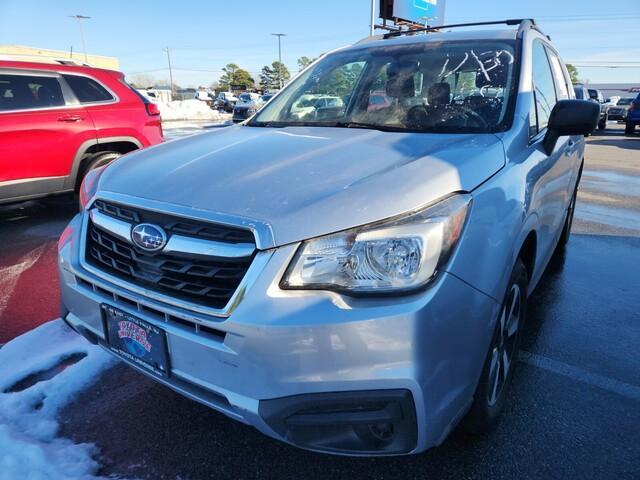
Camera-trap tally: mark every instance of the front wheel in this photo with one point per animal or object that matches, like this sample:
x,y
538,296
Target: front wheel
x,y
491,393
628,128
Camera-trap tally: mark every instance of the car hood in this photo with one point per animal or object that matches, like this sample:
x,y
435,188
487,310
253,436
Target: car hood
x,y
303,182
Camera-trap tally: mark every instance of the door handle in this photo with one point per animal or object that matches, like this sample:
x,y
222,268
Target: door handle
x,y
70,118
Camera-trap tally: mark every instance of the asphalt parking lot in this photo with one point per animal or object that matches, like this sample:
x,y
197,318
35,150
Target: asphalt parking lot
x,y
574,409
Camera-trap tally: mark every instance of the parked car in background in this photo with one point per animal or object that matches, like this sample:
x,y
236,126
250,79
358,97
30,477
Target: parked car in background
x,y
247,105
58,122
618,111
204,96
312,105
633,116
612,100
225,102
583,93
352,282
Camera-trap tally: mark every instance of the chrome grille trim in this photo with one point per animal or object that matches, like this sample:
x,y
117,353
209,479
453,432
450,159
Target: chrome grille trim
x,y
259,262
176,243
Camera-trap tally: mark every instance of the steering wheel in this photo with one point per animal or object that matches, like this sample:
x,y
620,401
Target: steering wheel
x,y
418,117
469,117
473,116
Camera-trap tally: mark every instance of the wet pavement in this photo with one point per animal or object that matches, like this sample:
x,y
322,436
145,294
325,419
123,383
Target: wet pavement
x,y
29,291
574,408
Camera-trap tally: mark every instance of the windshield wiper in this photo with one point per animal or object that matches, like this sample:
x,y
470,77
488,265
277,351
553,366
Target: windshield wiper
x,y
369,126
267,124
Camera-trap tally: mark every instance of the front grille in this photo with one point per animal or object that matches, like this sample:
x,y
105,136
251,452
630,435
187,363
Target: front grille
x,y
208,281
173,224
241,112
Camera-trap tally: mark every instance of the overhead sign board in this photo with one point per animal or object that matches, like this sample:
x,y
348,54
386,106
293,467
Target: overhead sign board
x,y
425,12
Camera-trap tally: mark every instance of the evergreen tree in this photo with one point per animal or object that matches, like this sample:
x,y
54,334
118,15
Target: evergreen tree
x,y
234,75
304,62
275,76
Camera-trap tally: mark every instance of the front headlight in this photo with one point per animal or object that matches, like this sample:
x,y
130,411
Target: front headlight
x,y
396,255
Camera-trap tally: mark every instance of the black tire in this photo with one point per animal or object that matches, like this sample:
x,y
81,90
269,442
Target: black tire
x,y
628,128
602,124
95,161
490,397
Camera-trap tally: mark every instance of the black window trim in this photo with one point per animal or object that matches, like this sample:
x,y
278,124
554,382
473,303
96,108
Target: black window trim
x,y
114,99
551,51
541,133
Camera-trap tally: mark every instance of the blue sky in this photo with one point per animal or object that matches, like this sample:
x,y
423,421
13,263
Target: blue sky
x,y
206,35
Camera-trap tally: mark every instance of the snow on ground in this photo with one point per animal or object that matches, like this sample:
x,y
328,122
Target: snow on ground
x,y
189,110
174,130
29,447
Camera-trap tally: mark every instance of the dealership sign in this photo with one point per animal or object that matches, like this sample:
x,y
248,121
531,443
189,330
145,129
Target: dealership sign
x,y
426,12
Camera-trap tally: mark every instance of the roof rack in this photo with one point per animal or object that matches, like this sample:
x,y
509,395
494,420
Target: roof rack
x,y
523,24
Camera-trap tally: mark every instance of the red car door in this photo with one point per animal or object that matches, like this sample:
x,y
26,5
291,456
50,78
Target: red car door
x,y
41,129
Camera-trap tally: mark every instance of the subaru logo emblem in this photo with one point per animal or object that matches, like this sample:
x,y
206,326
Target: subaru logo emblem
x,y
148,237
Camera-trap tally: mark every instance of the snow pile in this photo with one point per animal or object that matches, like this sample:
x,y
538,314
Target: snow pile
x,y
189,110
29,447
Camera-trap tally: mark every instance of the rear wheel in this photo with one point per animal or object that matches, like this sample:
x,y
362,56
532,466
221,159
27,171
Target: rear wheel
x,y
497,372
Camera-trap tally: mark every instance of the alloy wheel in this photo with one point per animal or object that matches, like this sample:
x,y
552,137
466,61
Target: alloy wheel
x,y
504,347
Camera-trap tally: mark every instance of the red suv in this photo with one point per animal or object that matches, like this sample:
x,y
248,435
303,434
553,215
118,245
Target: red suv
x,y
59,121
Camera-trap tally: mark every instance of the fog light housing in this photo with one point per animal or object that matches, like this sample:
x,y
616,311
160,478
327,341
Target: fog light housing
x,y
373,422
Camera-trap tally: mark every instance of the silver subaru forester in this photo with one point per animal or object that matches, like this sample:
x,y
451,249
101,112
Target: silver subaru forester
x,y
349,276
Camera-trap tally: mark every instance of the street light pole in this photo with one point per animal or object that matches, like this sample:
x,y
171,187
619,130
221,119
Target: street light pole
x,y
80,18
279,35
168,50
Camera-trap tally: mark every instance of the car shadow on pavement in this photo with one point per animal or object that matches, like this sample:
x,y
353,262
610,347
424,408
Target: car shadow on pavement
x,y
552,427
631,143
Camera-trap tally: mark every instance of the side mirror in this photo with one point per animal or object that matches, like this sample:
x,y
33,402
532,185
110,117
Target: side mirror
x,y
570,117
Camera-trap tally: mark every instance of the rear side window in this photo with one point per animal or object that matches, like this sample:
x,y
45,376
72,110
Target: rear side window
x,y
87,90
562,87
22,92
543,88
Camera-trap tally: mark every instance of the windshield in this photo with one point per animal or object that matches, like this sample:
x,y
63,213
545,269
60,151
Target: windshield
x,y
453,87
625,101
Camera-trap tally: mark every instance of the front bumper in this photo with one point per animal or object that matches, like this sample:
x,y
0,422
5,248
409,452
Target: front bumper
x,y
619,115
415,359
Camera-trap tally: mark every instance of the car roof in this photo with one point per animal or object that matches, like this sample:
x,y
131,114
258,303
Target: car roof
x,y
436,37
55,67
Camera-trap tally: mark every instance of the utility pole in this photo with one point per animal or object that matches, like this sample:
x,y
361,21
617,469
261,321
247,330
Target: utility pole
x,y
80,18
170,70
279,35
373,18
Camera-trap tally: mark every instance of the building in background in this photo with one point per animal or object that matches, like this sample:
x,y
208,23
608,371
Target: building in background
x,y
616,89
32,54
